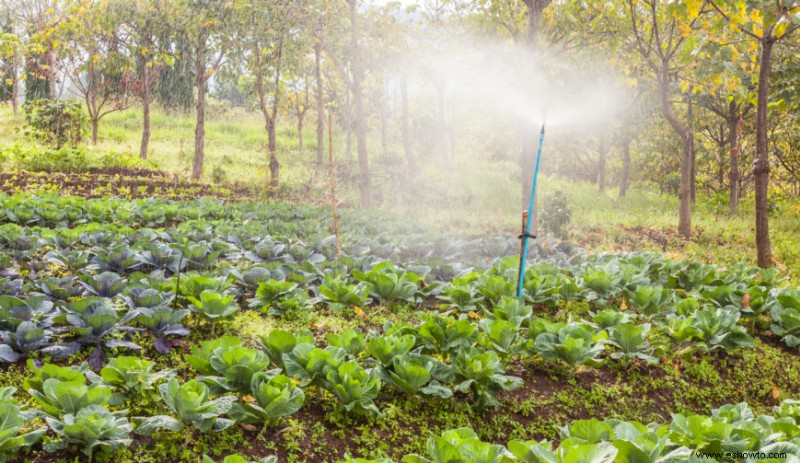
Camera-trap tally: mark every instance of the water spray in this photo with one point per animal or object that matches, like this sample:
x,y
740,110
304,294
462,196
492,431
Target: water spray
x,y
526,233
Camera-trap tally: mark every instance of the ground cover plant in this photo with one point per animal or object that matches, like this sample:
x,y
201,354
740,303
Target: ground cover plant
x,y
138,329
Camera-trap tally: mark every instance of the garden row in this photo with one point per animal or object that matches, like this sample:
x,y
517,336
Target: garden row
x,y
77,413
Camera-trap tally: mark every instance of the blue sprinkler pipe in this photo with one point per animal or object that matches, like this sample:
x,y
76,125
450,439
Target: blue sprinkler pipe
x,y
527,234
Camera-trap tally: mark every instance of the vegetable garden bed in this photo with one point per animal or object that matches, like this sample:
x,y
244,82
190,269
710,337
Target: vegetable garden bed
x,y
235,330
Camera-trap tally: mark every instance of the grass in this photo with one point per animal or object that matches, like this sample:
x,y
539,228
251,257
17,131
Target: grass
x,y
468,194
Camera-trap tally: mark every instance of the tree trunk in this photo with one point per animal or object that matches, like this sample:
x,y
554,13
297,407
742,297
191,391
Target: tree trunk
x,y
348,122
442,124
411,162
18,85
320,103
761,167
735,127
601,165
272,146
385,118
144,146
95,127
200,125
624,178
685,193
300,131
365,183
52,77
693,160
687,146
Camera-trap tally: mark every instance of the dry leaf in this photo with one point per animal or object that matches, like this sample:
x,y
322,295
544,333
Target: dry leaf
x,y
474,315
359,312
775,392
248,427
746,301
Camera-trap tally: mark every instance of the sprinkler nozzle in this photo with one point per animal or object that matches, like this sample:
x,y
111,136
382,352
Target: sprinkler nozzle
x,y
542,127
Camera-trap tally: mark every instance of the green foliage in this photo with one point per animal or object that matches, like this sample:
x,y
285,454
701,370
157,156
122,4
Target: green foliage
x,y
227,366
631,340
91,427
338,295
274,396
389,284
213,306
236,458
133,376
55,122
482,373
555,214
59,398
190,402
573,344
460,445
12,421
355,387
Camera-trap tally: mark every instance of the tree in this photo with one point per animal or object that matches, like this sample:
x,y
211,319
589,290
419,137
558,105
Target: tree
x,y
95,61
10,56
657,31
35,22
299,95
145,19
767,23
267,48
204,25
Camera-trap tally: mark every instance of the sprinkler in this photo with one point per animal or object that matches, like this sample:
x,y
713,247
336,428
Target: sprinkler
x,y
526,234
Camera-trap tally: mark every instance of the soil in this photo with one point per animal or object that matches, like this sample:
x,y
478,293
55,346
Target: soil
x,y
125,183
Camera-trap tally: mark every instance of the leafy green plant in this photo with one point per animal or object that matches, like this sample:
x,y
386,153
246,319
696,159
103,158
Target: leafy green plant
x,y
309,363
482,373
274,396
55,122
227,366
12,421
338,295
786,324
609,318
445,335
191,404
386,348
555,214
92,427
503,337
132,376
94,323
719,329
417,374
236,458
355,387
631,340
573,344
279,342
460,445
59,397
213,307
350,340
271,291
650,301
389,284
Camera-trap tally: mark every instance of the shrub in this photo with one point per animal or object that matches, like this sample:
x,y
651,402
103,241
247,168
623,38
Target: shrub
x,y
555,214
55,122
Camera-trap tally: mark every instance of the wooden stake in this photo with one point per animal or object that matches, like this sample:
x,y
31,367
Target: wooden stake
x,y
522,244
333,188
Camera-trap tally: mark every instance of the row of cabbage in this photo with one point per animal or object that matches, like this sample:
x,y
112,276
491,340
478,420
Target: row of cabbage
x,y
90,414
729,433
694,304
